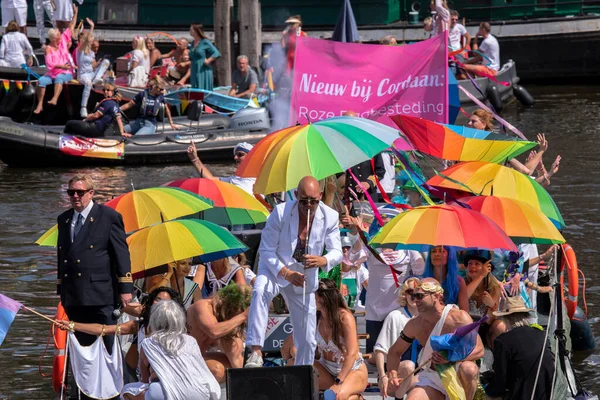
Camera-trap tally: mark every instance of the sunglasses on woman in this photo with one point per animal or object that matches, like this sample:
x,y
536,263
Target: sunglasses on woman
x,y
418,296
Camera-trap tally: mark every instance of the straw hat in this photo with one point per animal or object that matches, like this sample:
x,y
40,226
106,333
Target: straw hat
x,y
293,20
512,305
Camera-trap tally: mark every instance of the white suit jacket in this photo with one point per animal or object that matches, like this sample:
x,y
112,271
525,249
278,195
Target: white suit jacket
x,y
279,238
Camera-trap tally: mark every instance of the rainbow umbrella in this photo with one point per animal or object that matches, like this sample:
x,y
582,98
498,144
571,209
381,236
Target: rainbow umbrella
x,y
171,241
443,142
145,207
321,149
442,225
489,179
232,205
522,222
49,238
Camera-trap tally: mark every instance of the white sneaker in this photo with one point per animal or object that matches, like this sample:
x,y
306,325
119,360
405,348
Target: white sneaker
x,y
83,112
254,361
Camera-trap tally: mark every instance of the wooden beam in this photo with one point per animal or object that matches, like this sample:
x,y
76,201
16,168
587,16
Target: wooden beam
x,y
222,26
250,30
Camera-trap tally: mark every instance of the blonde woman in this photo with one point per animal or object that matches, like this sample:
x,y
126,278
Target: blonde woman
x,y
139,66
88,69
58,63
392,326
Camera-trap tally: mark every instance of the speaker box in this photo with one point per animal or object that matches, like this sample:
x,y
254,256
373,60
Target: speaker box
x,y
273,383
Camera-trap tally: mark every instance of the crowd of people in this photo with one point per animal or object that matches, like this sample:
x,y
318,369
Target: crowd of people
x,y
195,320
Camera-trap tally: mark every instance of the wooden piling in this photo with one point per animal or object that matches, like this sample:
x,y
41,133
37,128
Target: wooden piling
x,y
222,27
250,27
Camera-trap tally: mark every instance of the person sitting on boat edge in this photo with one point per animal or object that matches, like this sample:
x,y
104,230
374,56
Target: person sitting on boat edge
x,y
96,124
434,319
218,324
154,55
342,370
180,71
89,70
239,153
517,356
244,80
58,63
15,49
149,102
489,49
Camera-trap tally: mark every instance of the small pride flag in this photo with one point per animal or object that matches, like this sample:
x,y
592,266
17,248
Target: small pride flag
x,y
8,310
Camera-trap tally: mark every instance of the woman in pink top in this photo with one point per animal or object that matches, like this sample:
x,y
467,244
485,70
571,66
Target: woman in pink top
x,y
58,63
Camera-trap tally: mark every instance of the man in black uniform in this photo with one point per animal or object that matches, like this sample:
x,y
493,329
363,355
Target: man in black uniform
x,y
94,270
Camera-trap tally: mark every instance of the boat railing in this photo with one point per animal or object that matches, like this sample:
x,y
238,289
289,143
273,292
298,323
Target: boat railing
x,y
566,7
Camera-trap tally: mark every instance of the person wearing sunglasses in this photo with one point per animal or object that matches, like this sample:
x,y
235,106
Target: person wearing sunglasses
x,y
101,122
435,318
293,241
149,102
392,326
240,151
94,269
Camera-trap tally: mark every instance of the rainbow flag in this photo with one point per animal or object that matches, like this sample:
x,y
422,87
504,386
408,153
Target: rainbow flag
x,y
8,310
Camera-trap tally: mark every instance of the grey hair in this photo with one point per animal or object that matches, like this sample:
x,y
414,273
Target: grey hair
x,y
518,319
241,57
168,325
53,32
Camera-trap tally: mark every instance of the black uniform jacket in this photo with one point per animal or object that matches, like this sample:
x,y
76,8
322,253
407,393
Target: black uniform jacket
x,y
95,269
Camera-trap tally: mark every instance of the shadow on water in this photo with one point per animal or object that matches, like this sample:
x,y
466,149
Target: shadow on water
x,y
30,201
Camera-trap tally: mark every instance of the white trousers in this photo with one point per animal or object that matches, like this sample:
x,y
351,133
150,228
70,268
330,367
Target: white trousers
x,y
40,6
304,338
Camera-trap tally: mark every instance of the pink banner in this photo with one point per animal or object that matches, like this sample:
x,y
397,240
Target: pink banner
x,y
375,81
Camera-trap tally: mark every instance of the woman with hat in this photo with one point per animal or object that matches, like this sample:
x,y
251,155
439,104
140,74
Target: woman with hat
x,y
412,194
517,356
484,293
289,37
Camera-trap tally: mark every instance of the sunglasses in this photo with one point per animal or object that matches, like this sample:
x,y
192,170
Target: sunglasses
x,y
418,296
240,154
306,202
80,193
108,90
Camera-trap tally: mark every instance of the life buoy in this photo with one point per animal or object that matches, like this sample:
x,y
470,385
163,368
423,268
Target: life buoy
x,y
569,266
60,352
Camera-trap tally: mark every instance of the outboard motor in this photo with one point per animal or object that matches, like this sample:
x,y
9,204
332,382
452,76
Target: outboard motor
x,y
493,96
250,119
523,95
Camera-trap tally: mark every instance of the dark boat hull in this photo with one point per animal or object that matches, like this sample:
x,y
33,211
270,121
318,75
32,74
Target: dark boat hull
x,y
508,74
25,145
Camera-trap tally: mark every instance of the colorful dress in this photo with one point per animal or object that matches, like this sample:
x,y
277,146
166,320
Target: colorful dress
x,y
202,74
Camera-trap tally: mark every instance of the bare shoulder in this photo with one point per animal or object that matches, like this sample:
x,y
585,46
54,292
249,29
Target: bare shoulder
x,y
412,327
461,282
458,317
346,317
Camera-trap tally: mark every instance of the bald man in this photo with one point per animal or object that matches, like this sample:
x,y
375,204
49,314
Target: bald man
x,y
284,267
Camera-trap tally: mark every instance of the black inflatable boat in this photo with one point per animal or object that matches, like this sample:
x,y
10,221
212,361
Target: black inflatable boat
x,y
29,145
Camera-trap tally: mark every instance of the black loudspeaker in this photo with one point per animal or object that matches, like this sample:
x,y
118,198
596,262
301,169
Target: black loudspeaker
x,y
273,383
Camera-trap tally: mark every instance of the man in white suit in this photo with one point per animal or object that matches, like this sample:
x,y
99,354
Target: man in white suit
x,y
283,267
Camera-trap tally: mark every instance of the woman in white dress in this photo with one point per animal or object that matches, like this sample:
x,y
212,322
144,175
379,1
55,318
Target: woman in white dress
x,y
15,49
139,65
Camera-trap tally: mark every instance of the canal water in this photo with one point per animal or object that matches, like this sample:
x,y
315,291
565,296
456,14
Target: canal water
x,y
30,201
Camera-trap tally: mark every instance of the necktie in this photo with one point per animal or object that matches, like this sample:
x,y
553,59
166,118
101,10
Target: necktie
x,y
78,226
